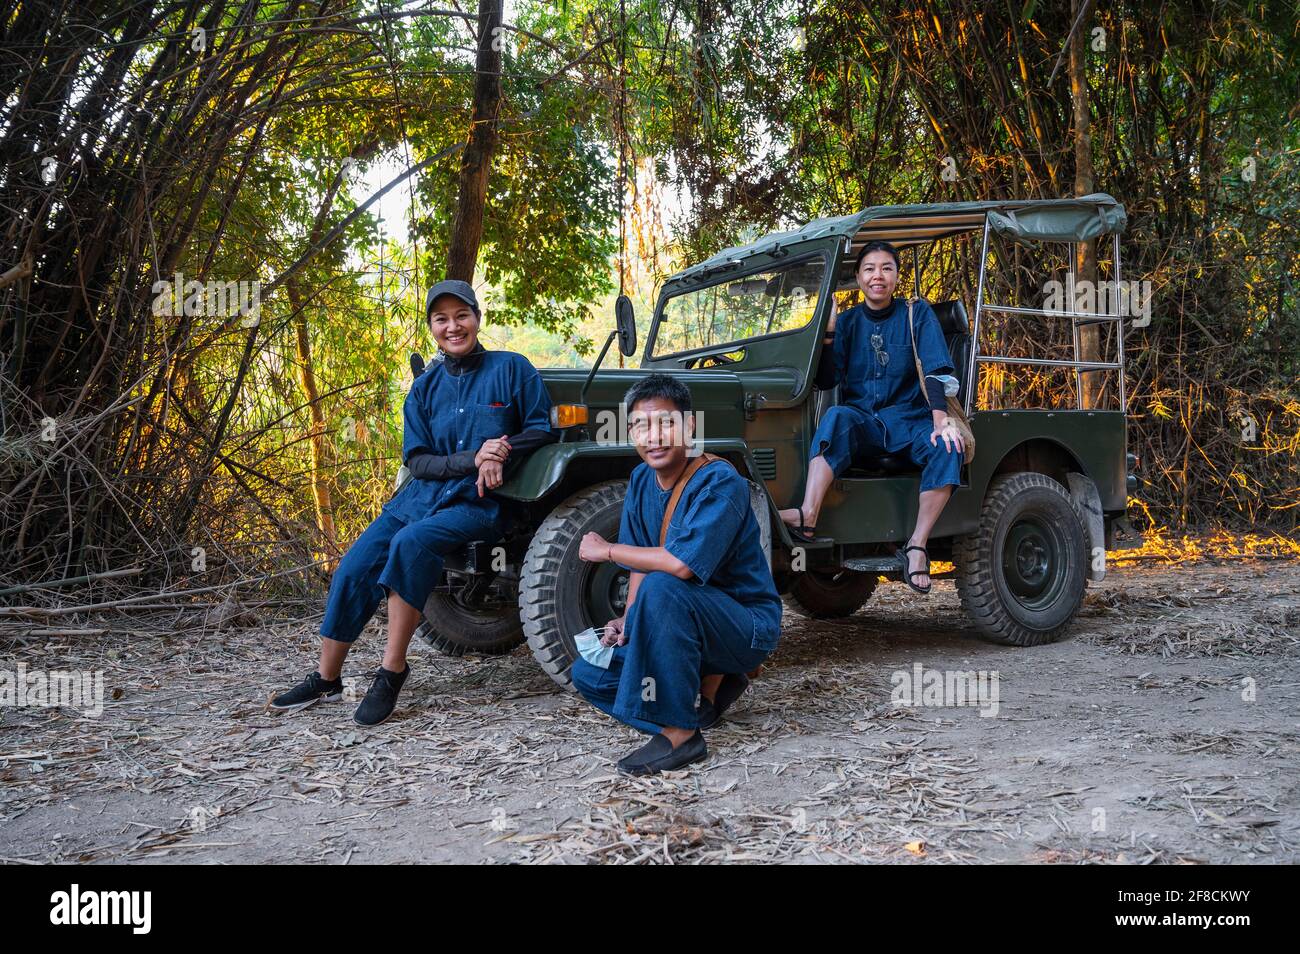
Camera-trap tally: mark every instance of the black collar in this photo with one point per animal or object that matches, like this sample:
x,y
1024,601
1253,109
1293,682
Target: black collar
x,y
457,365
881,314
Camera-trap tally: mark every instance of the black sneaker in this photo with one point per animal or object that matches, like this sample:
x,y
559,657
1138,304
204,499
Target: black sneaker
x,y
658,755
310,691
381,699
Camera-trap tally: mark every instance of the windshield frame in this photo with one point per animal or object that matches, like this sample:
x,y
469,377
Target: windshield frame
x,y
780,263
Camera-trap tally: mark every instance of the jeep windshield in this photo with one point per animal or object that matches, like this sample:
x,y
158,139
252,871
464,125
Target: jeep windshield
x,y
740,308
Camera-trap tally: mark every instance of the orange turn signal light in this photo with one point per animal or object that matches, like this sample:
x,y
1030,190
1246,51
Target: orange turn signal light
x,y
568,415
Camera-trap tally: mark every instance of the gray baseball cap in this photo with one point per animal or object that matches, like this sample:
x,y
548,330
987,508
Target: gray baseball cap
x,y
451,286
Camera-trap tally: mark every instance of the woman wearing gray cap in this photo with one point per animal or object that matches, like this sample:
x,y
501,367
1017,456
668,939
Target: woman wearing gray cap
x,y
464,418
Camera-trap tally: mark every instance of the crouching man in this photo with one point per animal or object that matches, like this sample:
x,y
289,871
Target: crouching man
x,y
702,609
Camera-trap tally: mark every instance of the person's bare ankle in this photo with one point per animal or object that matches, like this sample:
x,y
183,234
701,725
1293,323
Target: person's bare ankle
x,y
675,735
916,562
709,687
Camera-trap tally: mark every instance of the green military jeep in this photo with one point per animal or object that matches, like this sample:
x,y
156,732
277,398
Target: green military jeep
x,y
1039,505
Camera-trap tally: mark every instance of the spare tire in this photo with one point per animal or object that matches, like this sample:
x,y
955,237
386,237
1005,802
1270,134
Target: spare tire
x,y
831,594
454,629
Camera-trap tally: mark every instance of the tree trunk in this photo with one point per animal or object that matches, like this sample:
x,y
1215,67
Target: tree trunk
x,y
307,378
1092,391
476,161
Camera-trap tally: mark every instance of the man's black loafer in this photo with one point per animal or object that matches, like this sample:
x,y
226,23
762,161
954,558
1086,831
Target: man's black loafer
x,y
658,755
730,689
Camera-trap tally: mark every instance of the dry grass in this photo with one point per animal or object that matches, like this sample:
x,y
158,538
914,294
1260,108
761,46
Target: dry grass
x,y
487,760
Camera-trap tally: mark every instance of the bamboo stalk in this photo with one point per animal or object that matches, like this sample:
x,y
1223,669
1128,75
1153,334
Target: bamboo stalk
x,y
43,611
69,581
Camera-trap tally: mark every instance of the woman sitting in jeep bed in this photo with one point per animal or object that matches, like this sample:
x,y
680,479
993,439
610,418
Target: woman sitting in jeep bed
x,y
882,409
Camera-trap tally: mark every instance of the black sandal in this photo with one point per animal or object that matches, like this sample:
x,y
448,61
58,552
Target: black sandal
x,y
808,534
908,574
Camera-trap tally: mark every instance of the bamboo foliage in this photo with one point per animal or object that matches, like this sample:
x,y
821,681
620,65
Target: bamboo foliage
x,y
208,143
160,160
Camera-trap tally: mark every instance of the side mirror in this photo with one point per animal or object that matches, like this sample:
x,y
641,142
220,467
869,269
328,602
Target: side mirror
x,y
626,326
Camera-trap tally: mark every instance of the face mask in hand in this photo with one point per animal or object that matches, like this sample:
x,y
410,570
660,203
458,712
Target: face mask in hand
x,y
589,647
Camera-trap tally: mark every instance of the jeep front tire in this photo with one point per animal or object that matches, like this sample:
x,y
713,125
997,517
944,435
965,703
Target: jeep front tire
x,y
561,595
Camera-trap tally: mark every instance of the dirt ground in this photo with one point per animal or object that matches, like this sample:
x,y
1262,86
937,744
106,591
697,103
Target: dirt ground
x,y
1164,729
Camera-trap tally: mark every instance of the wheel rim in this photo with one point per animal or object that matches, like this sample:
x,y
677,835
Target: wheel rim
x,y
606,590
1032,561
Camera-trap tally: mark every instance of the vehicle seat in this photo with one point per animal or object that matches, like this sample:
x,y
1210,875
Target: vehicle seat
x,y
956,333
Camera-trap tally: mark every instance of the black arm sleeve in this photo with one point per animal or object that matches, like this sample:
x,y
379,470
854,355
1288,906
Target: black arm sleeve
x,y
527,441
825,379
934,392
428,466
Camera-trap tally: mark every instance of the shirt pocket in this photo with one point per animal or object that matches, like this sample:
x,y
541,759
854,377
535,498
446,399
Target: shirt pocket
x,y
900,373
490,422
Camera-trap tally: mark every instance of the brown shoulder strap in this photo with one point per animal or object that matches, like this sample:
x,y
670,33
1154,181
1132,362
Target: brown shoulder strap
x,y
683,479
916,359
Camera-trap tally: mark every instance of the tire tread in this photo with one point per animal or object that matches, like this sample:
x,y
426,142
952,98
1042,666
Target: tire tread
x,y
972,554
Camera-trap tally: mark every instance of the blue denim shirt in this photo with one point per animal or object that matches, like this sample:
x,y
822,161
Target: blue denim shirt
x,y
889,392
713,531
500,395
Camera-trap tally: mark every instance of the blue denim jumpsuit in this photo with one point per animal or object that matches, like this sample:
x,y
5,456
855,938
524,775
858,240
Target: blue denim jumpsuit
x,y
882,408
498,394
726,619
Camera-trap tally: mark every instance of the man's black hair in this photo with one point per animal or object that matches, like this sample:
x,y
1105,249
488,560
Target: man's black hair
x,y
876,245
659,386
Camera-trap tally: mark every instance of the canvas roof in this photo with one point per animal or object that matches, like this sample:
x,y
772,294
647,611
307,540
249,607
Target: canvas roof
x,y
1024,220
